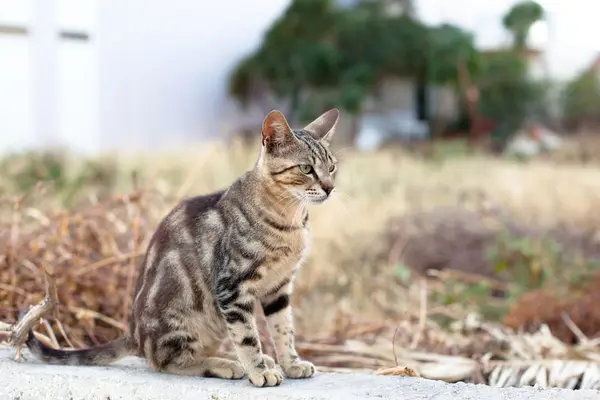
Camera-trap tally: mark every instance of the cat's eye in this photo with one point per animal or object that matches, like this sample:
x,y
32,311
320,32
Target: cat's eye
x,y
332,168
305,168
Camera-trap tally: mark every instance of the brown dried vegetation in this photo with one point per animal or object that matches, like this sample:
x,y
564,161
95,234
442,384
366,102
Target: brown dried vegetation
x,y
537,275
90,251
372,315
545,306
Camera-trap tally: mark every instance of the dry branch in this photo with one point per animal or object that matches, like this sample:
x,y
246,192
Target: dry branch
x,y
18,333
398,371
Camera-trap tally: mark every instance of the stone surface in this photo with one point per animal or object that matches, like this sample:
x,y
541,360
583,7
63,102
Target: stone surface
x,y
130,379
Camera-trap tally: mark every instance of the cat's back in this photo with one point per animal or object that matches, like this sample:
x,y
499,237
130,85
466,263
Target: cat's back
x,y
198,205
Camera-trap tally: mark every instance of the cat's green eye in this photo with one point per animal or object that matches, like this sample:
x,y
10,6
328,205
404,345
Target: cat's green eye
x,y
332,168
305,169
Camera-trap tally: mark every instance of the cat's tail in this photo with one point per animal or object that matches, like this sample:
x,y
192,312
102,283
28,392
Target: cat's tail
x,y
103,354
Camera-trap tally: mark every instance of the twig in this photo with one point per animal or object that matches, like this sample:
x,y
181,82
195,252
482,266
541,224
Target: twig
x,y
105,263
362,330
51,334
397,371
366,352
84,312
339,370
422,315
90,333
581,337
469,278
46,306
394,344
13,289
43,338
351,359
64,333
11,255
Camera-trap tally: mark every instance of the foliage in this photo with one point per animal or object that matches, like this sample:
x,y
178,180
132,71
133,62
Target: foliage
x,y
527,261
293,55
26,170
321,55
507,93
527,265
581,97
519,20
450,45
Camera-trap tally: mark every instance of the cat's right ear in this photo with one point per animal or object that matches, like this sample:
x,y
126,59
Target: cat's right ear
x,y
276,130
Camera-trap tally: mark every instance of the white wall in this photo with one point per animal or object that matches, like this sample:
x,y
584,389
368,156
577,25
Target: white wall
x,y
16,91
49,87
164,65
152,75
76,74
16,112
154,72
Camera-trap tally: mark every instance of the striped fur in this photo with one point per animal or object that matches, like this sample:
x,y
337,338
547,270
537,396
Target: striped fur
x,y
214,256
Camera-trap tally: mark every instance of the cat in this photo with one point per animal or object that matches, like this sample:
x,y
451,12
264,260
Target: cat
x,y
212,257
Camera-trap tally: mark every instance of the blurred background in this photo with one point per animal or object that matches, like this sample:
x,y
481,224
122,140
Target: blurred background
x,y
465,221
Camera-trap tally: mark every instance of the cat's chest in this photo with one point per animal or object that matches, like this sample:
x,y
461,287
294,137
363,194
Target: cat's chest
x,y
288,253
281,263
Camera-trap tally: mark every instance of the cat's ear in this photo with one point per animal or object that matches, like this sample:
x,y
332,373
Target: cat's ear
x,y
276,130
323,128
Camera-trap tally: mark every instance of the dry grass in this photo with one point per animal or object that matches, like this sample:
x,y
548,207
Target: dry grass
x,y
363,304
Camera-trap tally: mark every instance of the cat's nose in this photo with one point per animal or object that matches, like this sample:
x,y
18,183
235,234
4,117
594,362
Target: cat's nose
x,y
327,188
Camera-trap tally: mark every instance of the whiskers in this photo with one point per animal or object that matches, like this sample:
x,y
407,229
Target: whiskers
x,y
298,213
289,200
338,152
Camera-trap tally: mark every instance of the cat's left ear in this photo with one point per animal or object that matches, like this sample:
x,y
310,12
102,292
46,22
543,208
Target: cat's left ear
x,y
323,128
276,130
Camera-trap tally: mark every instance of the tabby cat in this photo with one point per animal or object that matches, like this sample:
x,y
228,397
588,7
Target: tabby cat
x,y
213,256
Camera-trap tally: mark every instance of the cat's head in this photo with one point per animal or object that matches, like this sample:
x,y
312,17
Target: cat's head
x,y
300,161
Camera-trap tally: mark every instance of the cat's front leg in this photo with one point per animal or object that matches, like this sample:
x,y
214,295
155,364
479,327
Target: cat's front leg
x,y
278,311
237,308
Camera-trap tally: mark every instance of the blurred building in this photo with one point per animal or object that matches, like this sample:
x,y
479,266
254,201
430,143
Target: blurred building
x,y
129,74
99,74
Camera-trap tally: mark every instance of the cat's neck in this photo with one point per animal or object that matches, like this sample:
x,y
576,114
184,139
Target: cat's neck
x,y
276,201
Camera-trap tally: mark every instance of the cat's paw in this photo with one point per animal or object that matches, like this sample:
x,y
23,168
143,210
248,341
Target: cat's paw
x,y
225,369
300,369
269,361
267,377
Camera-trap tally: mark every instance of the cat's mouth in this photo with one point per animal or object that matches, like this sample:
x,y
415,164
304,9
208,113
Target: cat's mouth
x,y
314,196
317,200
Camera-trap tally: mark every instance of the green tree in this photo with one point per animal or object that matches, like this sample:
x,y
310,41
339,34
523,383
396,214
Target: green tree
x,y
519,20
319,55
505,90
581,98
296,54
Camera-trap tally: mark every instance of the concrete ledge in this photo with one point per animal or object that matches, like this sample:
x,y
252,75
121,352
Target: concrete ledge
x,y
130,379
